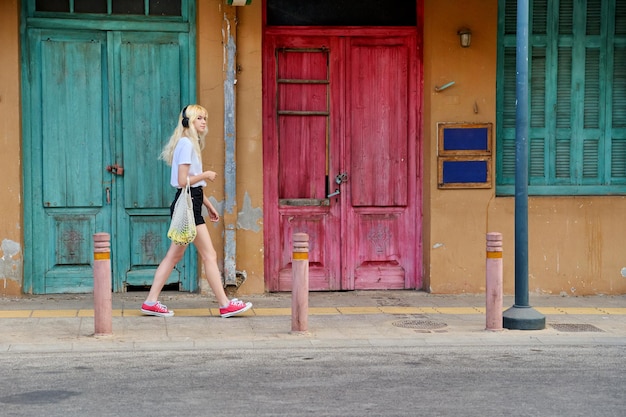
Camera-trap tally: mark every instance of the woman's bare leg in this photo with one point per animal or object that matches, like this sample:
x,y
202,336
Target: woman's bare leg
x,y
174,255
205,248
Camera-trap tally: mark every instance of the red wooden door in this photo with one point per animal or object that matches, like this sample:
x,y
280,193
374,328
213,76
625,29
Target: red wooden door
x,y
340,149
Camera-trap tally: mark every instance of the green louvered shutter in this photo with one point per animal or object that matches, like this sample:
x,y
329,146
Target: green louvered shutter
x,y
505,161
617,170
577,61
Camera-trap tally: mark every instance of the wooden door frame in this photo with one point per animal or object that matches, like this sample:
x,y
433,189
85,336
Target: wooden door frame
x,y
270,140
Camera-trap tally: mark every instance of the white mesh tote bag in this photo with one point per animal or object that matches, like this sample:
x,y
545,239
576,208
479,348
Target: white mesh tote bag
x,y
183,227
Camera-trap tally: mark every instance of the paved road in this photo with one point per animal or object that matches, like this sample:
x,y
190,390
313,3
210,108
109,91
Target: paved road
x,y
370,381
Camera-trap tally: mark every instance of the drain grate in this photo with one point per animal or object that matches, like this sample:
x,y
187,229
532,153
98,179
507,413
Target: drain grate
x,y
572,327
419,324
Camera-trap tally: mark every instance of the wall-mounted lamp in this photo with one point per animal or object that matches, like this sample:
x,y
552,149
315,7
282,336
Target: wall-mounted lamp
x,y
465,36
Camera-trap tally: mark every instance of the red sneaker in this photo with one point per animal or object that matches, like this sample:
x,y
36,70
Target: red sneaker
x,y
234,307
156,310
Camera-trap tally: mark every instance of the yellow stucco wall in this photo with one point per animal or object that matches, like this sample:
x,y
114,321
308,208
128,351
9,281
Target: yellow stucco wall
x,y
455,220
245,25
576,244
11,236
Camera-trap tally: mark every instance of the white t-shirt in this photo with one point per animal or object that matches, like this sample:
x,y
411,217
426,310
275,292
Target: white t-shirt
x,y
185,154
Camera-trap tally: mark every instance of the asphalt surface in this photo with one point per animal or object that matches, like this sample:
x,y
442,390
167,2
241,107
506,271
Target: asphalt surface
x,y
65,323
442,381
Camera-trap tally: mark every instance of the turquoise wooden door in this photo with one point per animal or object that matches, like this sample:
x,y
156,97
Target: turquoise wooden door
x,y
99,99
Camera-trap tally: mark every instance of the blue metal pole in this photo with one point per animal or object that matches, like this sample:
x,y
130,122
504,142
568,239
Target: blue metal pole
x,y
521,158
521,316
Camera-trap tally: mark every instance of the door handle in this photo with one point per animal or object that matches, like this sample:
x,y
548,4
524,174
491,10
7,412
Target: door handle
x,y
339,179
116,169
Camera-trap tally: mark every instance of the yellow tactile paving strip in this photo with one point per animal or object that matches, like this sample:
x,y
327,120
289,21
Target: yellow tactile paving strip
x,y
314,311
16,314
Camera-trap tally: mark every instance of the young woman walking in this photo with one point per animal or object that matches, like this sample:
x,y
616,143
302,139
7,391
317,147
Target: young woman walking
x,y
182,152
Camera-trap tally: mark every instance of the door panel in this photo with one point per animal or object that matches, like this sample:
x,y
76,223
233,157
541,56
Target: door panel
x,y
317,223
151,90
302,163
73,82
379,260
70,96
302,85
378,123
300,136
381,252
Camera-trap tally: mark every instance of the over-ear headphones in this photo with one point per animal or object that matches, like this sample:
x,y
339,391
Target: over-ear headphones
x,y
185,120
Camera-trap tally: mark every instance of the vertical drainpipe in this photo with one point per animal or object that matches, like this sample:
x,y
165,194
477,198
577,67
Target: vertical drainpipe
x,y
230,166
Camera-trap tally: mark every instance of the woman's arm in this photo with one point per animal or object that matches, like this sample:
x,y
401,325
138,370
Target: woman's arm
x,y
183,172
213,214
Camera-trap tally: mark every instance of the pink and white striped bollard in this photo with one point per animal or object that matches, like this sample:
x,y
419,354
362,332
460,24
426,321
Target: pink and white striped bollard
x,y
494,281
300,283
102,299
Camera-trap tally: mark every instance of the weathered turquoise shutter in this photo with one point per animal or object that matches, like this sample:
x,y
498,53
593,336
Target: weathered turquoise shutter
x,y
617,97
587,125
563,114
577,56
505,161
618,115
538,131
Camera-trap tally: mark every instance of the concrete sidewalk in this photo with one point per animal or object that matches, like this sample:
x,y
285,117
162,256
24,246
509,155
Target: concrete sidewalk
x,y
55,323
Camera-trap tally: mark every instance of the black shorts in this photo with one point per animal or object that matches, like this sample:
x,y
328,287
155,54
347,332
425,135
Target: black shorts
x,y
196,198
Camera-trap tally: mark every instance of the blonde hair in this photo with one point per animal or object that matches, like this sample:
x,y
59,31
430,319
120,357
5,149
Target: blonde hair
x,y
192,111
